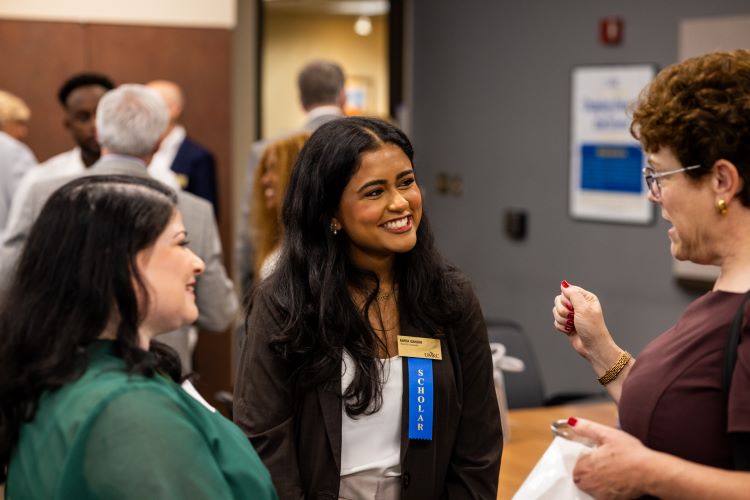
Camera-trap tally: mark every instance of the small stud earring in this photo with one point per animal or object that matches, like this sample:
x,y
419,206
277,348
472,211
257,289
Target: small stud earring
x,y
334,228
721,206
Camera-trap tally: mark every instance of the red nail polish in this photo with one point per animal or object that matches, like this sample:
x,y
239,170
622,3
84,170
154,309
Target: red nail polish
x,y
572,421
565,284
568,328
570,308
571,316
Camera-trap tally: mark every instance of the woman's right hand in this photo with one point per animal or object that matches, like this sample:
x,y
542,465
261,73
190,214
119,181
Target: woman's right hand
x,y
578,314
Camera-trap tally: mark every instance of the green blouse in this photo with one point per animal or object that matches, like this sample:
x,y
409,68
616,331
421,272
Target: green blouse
x,y
112,435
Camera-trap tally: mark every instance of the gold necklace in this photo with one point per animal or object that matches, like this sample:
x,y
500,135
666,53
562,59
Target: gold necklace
x,y
383,296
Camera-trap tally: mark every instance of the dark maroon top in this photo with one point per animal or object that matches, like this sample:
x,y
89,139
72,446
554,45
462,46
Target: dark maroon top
x,y
672,399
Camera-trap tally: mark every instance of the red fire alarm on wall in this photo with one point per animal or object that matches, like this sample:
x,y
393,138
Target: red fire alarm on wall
x,y
611,30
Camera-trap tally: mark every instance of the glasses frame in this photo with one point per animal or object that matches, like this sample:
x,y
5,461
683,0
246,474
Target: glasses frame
x,y
652,178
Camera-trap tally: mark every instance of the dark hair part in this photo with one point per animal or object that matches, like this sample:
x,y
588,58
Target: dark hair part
x,y
75,277
700,109
82,80
320,82
315,274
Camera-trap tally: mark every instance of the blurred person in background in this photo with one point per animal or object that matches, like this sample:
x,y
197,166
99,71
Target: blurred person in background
x,y
180,161
323,97
16,159
130,120
269,188
78,96
14,116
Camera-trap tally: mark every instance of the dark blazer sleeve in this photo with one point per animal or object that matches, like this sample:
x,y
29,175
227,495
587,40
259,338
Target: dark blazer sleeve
x,y
474,466
263,406
199,166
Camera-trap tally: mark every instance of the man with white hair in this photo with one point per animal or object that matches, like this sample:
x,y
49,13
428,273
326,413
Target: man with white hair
x,y
130,121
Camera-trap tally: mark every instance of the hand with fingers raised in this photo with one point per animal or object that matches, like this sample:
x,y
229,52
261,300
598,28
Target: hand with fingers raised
x,y
578,314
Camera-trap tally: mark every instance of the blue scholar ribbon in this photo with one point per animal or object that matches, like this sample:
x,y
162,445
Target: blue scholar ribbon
x,y
421,398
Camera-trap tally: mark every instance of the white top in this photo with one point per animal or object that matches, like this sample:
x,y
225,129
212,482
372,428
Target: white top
x,y
269,263
327,109
373,442
160,167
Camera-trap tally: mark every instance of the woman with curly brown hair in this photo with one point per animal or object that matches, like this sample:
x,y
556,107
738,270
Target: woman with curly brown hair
x,y
269,186
686,404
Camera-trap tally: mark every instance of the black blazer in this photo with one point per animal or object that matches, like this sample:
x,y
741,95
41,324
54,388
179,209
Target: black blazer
x,y
300,442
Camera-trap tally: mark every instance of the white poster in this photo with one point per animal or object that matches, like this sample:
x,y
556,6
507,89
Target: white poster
x,y
606,163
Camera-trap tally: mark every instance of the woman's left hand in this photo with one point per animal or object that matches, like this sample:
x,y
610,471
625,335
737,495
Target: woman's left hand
x,y
616,468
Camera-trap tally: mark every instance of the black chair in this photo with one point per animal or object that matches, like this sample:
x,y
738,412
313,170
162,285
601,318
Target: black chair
x,y
526,389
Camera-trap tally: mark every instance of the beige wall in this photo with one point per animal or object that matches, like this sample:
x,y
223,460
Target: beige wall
x,y
293,39
202,13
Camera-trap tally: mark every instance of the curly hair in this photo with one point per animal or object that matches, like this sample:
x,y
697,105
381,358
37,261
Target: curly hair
x,y
265,221
700,109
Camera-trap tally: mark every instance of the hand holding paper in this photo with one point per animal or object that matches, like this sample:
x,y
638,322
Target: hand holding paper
x,y
615,467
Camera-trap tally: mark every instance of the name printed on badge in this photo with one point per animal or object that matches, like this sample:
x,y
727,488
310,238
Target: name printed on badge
x,y
419,347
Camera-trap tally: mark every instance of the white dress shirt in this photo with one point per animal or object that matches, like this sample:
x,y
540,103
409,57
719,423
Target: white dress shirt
x,y
160,167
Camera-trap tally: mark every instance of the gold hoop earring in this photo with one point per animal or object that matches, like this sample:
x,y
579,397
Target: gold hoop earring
x,y
722,207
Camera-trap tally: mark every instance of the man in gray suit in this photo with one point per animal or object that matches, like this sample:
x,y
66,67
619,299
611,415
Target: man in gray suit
x,y
322,95
130,121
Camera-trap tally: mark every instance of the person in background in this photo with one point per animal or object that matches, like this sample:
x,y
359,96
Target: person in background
x,y
16,159
79,95
180,161
693,121
323,97
326,392
269,187
89,404
129,122
14,116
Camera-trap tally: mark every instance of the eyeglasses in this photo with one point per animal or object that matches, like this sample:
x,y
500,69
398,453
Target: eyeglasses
x,y
652,178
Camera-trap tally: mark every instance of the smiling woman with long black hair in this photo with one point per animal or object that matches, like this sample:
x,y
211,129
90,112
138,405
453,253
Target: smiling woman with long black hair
x,y
331,390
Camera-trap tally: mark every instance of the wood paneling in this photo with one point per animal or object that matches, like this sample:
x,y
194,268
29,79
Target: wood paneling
x,y
39,56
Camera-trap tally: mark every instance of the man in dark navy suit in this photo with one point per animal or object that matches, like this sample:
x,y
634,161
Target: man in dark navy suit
x,y
181,162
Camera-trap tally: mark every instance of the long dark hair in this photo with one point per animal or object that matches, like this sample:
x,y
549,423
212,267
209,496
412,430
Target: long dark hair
x,y
76,275
314,274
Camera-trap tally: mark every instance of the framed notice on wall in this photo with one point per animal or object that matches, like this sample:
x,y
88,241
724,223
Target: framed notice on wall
x,y
606,163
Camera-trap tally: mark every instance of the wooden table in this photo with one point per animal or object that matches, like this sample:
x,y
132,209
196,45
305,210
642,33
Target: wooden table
x,y
531,435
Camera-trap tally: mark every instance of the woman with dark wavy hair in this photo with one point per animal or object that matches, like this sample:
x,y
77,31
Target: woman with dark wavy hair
x,y
89,407
366,372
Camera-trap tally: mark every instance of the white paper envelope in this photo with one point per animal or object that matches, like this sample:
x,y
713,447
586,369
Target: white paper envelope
x,y
552,476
